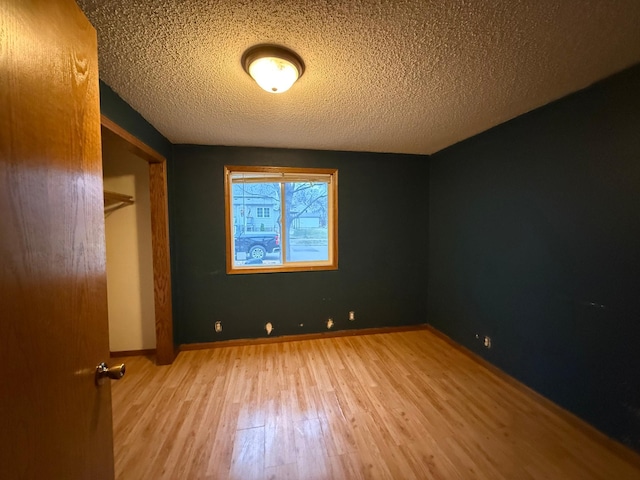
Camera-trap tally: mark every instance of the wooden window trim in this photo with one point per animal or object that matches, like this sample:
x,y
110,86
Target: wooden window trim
x,y
289,174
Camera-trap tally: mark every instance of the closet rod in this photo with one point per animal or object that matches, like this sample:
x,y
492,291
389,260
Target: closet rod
x,y
114,201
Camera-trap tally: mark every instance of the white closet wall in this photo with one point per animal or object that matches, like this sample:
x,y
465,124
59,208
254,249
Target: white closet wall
x,y
129,255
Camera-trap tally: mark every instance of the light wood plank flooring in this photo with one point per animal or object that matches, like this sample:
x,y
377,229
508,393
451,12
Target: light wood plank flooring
x,y
402,405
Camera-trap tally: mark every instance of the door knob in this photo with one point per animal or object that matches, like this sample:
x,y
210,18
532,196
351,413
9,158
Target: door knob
x,y
114,373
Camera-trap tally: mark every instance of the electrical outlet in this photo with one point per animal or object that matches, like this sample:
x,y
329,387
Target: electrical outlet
x,y
330,323
352,315
218,326
269,328
487,341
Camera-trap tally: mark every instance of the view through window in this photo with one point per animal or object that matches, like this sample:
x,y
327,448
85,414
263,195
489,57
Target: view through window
x,y
280,219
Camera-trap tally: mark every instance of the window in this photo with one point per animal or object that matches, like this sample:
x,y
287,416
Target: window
x,y
281,219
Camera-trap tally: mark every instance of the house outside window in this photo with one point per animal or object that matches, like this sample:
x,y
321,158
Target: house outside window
x,y
281,219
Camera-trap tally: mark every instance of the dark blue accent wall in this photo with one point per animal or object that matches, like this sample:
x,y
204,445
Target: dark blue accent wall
x,y
120,112
382,238
535,241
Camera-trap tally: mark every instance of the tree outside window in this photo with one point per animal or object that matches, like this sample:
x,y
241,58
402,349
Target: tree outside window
x,y
295,224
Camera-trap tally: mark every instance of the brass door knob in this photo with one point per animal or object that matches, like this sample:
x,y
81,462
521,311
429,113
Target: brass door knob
x,y
114,373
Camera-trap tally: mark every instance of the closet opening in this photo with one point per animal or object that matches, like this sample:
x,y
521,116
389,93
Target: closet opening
x,y
137,239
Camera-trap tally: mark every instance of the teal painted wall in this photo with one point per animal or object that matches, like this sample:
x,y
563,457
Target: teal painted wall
x,y
120,112
383,230
535,241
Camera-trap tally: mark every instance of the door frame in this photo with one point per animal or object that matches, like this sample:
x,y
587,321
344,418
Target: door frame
x,y
165,347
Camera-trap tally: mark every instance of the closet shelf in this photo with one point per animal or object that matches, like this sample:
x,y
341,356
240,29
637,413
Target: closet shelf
x,y
114,201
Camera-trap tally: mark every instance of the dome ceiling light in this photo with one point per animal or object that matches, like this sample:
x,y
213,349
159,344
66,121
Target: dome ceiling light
x,y
274,68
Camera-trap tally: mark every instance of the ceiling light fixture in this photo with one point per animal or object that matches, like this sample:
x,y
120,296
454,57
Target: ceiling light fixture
x,y
274,68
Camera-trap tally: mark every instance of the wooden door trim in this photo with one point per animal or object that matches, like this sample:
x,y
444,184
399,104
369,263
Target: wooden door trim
x,y
165,348
136,146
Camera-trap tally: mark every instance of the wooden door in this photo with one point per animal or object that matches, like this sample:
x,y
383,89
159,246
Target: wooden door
x,y
55,423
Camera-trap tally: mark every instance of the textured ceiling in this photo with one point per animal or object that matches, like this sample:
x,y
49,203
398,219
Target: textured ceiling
x,y
404,76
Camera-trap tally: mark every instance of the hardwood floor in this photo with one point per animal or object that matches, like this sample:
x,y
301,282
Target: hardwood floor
x,y
388,406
